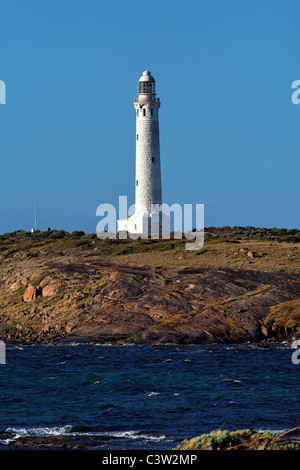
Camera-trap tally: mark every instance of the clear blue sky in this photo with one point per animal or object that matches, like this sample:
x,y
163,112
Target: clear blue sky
x,y
230,135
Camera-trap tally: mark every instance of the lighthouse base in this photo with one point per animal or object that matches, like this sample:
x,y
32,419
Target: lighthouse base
x,y
145,225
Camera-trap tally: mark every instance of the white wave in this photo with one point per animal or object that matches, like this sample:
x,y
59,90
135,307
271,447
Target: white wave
x,y
231,380
6,442
34,432
151,394
41,431
134,435
273,431
67,431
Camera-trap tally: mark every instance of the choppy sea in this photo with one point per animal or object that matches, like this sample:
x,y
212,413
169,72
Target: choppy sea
x,y
145,397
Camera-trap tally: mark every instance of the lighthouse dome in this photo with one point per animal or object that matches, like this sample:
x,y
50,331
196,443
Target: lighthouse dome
x,y
146,77
147,83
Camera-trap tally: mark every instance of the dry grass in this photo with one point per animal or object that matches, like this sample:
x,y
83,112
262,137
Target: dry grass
x,y
286,315
267,256
222,250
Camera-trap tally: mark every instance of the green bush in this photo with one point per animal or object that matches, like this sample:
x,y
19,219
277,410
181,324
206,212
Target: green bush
x,y
77,234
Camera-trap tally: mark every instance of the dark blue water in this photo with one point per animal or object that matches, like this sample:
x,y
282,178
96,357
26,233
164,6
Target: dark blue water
x,y
145,397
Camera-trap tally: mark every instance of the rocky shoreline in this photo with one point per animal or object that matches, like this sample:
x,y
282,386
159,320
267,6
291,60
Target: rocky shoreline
x,y
79,439
137,305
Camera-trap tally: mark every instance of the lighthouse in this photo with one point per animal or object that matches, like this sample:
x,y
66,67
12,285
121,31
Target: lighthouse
x,y
147,172
148,186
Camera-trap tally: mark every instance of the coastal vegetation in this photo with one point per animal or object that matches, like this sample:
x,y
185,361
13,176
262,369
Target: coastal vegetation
x,y
244,439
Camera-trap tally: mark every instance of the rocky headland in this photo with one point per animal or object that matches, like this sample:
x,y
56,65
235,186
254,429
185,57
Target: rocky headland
x,y
60,287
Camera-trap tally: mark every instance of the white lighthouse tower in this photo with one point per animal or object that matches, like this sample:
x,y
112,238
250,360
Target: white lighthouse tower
x,y
148,190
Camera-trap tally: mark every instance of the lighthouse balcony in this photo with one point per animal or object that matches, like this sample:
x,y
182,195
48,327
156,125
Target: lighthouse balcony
x,y
147,99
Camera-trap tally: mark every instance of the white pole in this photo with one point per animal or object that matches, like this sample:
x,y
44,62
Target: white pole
x,y
35,226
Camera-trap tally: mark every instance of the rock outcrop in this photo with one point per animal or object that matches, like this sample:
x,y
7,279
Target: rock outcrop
x,y
77,295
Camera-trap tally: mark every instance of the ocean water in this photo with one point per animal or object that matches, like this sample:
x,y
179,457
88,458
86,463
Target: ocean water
x,y
145,397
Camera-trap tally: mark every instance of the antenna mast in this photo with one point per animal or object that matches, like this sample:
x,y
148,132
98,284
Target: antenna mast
x,y
35,225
